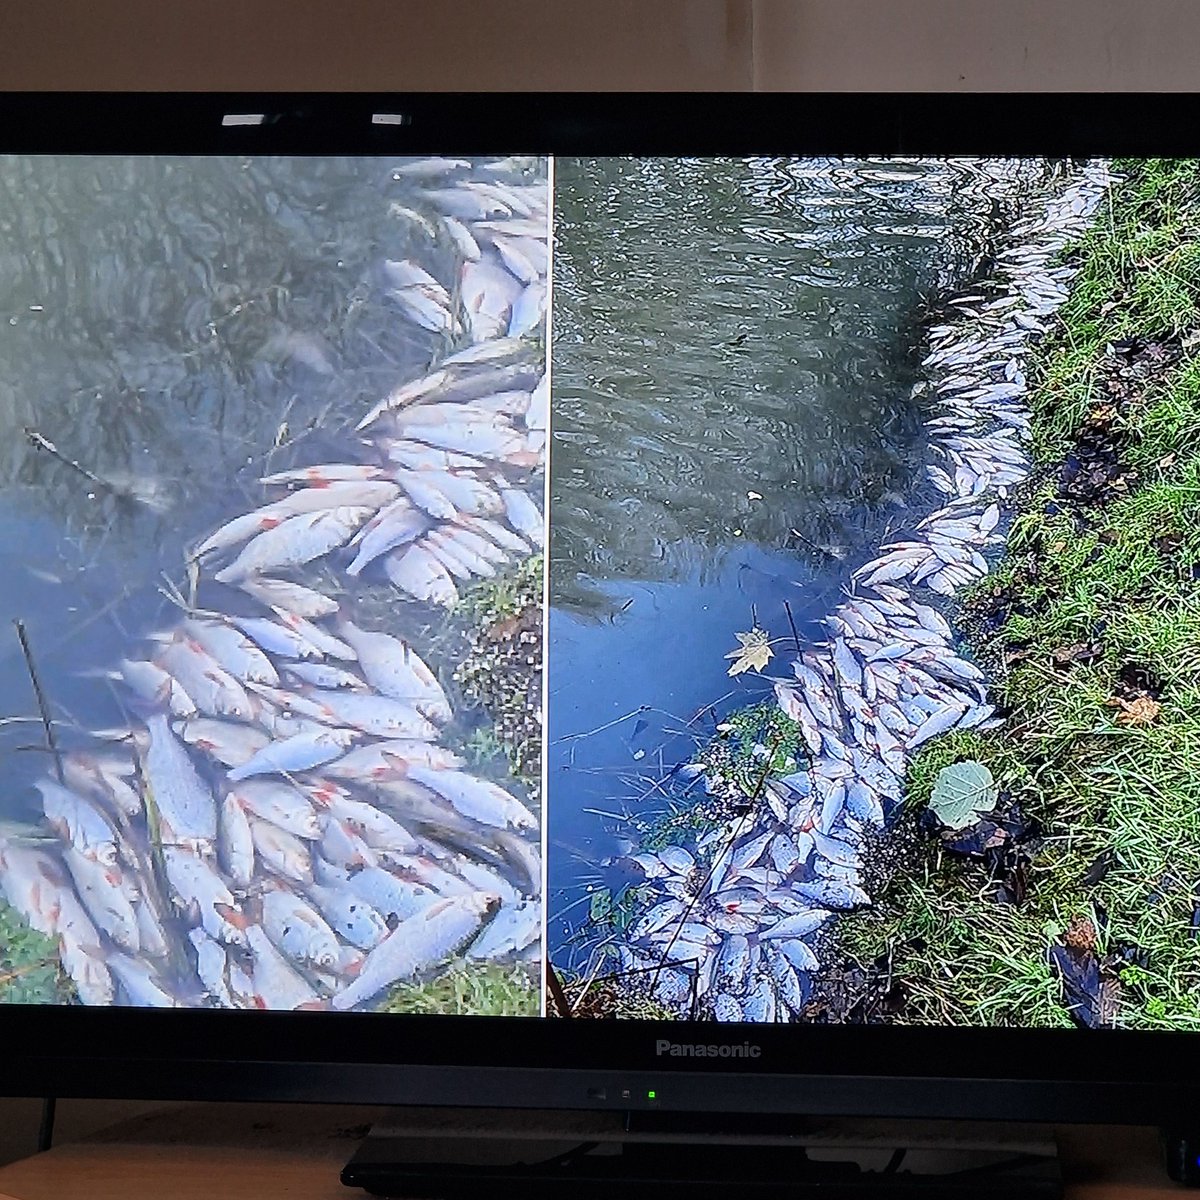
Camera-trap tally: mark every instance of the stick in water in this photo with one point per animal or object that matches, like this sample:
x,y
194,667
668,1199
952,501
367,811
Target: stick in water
x,y
43,708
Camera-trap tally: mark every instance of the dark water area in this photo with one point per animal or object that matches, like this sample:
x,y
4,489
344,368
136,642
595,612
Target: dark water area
x,y
179,327
735,348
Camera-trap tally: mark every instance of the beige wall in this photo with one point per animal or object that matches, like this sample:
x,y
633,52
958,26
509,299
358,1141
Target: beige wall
x,y
601,44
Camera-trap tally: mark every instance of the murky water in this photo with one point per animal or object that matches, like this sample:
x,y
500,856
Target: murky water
x,y
735,346
179,327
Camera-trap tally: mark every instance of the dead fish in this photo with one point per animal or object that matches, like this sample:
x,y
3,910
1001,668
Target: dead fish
x,y
101,890
277,984
460,235
140,983
831,893
299,753
939,722
235,843
276,637
297,929
296,541
78,822
380,716
349,915
151,683
408,274
416,944
393,526
228,742
283,852
187,812
395,669
528,310
478,799
201,893
232,649
280,804
314,635
213,689
294,597
390,760
515,928
319,496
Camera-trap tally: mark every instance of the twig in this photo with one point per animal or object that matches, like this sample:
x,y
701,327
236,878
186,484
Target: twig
x,y
556,991
787,608
43,443
47,724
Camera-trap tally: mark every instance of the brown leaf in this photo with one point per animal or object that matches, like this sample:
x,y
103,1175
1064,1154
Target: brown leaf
x,y
753,653
1141,711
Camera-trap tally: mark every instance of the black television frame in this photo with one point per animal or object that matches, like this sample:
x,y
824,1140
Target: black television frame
x,y
1077,1075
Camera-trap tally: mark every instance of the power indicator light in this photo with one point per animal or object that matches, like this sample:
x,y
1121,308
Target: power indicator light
x,y
651,1095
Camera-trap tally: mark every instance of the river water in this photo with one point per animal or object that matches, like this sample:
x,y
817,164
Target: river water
x,y
179,327
735,344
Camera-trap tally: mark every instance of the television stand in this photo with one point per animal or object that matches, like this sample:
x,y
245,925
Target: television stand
x,y
596,1156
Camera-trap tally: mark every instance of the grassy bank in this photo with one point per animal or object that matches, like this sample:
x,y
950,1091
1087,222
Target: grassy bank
x,y
29,968
1090,628
475,990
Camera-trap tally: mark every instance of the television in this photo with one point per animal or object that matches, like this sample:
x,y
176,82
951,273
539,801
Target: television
x,y
640,602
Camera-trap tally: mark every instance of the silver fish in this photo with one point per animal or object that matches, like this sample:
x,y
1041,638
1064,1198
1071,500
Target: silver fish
x,y
280,804
201,892
296,541
283,852
479,799
105,899
235,842
294,597
416,944
277,984
349,915
187,812
232,649
139,982
298,930
393,668
418,573
297,753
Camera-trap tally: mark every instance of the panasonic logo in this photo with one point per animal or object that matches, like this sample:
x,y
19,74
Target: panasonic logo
x,y
696,1050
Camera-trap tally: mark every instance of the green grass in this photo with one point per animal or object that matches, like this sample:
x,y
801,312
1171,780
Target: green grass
x,y
29,967
1124,583
486,990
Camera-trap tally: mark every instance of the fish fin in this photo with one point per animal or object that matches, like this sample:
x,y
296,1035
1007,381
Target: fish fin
x,y
232,916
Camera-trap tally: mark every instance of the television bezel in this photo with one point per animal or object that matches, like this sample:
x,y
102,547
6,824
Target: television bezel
x,y
1028,1074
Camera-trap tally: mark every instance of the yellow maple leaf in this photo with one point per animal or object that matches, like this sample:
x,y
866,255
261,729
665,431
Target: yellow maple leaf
x,y
754,651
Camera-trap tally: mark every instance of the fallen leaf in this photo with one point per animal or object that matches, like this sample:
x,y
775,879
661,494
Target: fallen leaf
x,y
1141,711
753,653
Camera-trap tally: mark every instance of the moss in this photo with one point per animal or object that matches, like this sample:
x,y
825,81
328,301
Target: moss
x,y
1098,605
30,972
483,990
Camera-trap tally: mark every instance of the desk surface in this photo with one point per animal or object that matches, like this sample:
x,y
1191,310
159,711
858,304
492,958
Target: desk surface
x,y
259,1152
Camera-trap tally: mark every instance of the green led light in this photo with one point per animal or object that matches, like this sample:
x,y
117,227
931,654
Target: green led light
x,y
651,1095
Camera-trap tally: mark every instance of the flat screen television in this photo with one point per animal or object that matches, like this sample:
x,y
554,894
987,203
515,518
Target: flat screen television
x,y
835,456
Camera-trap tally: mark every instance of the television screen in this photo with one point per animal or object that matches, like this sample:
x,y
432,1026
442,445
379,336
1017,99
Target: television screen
x,y
849,504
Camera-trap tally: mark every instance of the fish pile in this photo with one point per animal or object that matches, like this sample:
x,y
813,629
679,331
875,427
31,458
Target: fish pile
x,y
728,924
280,826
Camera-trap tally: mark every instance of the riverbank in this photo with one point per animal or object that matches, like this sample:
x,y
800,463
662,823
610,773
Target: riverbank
x,y
1076,900
494,634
